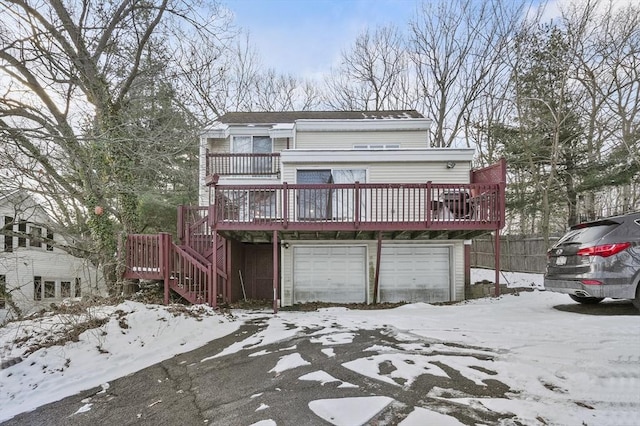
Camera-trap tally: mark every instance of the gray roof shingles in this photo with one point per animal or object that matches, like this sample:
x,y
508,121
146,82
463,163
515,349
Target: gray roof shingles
x,y
292,116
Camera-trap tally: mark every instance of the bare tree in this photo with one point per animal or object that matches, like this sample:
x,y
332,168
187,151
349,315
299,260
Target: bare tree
x,y
75,76
279,92
230,76
373,75
459,47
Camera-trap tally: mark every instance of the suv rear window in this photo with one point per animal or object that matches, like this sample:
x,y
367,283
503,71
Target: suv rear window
x,y
586,233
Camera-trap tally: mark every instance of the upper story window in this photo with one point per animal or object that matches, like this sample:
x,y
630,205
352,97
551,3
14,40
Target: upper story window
x,y
28,235
252,164
3,290
22,229
35,233
377,146
8,239
252,144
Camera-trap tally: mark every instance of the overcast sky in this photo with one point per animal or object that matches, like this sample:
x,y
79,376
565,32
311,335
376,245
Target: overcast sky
x,y
305,37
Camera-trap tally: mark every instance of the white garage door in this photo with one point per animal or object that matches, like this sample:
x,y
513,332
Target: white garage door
x,y
329,274
414,274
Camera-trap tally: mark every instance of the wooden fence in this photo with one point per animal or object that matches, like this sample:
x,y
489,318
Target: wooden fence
x,y
518,253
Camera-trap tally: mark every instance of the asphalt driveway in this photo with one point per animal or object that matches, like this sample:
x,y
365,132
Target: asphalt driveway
x,y
239,389
261,383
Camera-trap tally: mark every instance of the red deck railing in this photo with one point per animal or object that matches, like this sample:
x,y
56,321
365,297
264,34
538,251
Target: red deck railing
x,y
156,257
194,229
144,256
237,164
359,206
192,272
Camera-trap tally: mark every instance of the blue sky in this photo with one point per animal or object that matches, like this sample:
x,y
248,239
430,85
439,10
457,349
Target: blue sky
x,y
305,37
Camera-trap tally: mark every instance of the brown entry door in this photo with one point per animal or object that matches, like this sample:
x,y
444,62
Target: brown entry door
x,y
258,271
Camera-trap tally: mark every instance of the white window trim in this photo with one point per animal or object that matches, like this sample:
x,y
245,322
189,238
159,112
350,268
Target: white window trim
x,y
31,239
376,146
333,169
58,288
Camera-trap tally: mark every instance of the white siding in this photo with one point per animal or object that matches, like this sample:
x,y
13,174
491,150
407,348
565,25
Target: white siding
x,y
379,172
23,263
219,145
458,270
346,140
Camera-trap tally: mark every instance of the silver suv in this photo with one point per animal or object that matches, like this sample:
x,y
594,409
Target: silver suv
x,y
597,259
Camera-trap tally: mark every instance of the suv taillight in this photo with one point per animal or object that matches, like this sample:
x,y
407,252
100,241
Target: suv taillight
x,y
604,250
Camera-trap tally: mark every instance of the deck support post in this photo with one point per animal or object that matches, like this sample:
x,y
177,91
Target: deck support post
x,y
275,272
164,246
213,273
180,225
376,279
497,262
227,258
429,202
285,205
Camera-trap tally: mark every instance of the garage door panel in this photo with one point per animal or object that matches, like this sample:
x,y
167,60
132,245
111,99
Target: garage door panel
x,y
415,274
329,274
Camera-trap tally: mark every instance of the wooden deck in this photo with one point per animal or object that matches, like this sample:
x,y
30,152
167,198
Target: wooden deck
x,y
198,269
358,207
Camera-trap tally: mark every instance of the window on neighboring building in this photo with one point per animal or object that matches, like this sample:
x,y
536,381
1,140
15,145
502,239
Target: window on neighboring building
x,y
8,239
78,288
49,289
377,146
22,228
3,291
37,288
65,288
49,237
35,233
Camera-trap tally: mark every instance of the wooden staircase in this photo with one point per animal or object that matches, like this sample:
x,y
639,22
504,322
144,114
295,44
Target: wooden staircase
x,y
186,267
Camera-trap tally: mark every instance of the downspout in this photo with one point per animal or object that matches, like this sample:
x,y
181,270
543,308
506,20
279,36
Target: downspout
x,y
376,279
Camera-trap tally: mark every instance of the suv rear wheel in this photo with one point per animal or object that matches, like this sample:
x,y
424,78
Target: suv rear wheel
x,y
636,301
586,300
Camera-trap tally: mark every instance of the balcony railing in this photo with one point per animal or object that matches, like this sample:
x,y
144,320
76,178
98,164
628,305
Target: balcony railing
x,y
359,206
236,164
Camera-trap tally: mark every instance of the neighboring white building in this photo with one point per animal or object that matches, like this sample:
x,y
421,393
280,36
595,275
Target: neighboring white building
x,y
33,274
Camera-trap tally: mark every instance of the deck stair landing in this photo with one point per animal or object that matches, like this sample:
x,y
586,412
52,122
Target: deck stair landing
x,y
182,268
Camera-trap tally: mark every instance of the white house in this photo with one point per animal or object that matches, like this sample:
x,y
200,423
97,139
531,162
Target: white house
x,y
34,274
332,206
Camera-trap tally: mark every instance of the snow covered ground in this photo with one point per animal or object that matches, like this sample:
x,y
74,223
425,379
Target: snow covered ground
x,y
563,367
